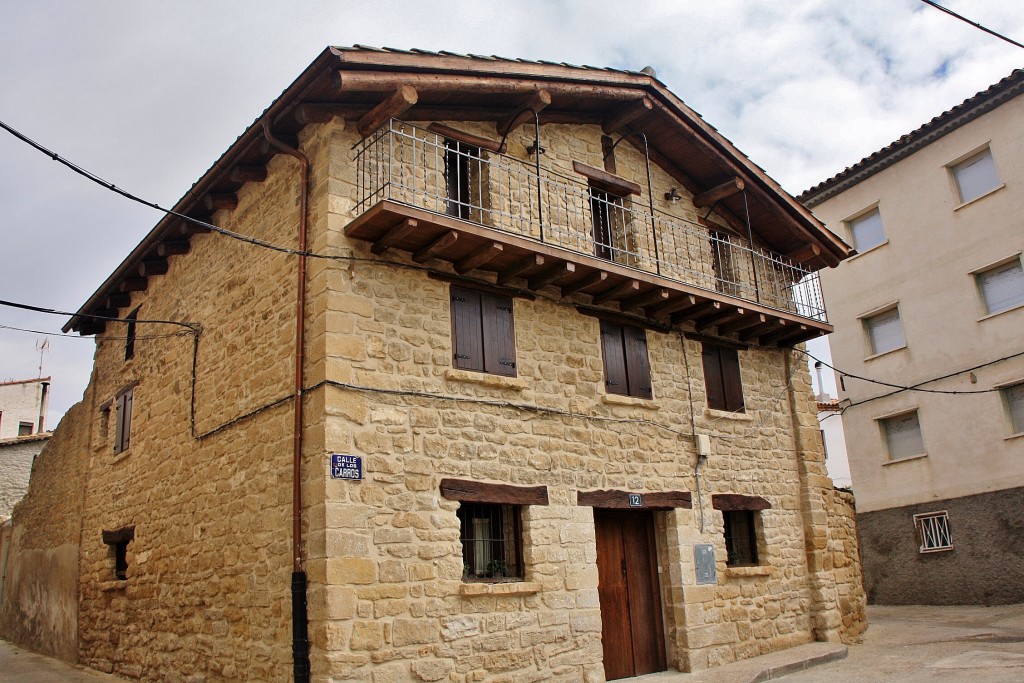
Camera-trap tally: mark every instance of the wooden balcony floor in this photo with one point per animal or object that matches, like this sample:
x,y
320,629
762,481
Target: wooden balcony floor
x,y
469,246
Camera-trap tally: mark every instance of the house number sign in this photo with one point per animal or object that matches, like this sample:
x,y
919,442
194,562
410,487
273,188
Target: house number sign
x,y
636,500
346,466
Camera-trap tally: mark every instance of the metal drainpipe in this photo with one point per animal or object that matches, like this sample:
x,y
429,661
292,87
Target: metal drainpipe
x,y
300,625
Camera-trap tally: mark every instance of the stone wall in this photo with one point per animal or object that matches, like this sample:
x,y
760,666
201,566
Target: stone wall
x,y
984,567
39,596
844,548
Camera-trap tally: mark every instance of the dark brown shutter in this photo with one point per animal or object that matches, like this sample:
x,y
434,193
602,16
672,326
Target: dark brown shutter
x,y
714,386
118,423
126,422
467,331
615,378
731,379
499,336
638,367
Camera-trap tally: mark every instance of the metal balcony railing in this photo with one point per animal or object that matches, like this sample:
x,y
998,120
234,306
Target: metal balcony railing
x,y
411,165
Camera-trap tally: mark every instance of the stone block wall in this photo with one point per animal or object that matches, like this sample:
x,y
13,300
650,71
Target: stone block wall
x,y
16,456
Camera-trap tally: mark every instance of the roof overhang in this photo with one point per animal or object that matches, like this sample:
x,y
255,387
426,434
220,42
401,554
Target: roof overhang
x,y
353,82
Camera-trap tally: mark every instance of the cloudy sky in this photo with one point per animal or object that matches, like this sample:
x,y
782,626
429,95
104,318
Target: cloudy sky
x,y
148,93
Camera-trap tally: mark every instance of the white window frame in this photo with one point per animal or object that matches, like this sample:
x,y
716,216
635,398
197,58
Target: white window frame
x,y
1015,429
978,273
860,217
933,532
866,319
968,160
884,431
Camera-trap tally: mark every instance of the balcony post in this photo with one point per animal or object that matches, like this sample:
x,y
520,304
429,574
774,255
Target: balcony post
x,y
753,254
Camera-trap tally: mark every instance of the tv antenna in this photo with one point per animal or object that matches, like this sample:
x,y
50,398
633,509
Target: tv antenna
x,y
42,346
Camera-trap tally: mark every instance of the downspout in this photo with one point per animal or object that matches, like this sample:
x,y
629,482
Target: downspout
x,y
300,625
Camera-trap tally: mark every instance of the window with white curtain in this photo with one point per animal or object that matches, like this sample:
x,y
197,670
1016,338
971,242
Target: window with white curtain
x,y
885,331
1002,287
903,435
975,175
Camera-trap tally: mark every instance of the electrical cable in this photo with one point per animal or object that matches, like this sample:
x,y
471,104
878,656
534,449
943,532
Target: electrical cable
x,y
975,24
99,338
50,311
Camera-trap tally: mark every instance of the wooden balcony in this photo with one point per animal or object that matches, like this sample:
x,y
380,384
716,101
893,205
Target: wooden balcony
x,y
493,213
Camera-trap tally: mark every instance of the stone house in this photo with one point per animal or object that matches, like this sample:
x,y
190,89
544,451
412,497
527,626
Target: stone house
x,y
479,370
934,299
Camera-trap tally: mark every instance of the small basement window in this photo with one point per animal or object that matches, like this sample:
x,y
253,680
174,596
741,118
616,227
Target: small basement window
x,y
118,541
933,531
742,517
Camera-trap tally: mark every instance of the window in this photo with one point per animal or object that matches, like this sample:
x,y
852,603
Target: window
x,y
740,538
463,175
491,526
1002,287
975,175
608,217
123,420
933,531
903,435
129,340
742,517
627,370
885,331
1014,398
490,536
866,230
25,428
118,541
483,332
722,378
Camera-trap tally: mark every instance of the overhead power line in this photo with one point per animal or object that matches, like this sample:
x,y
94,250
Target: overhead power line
x,y
975,24
49,311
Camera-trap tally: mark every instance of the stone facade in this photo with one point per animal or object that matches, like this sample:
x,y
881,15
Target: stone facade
x,y
16,456
205,486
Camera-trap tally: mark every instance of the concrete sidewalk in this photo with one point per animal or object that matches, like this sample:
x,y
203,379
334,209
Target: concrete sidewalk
x,y
25,666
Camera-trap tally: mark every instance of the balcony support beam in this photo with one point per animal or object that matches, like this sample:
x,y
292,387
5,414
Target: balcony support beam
x,y
764,328
717,194
481,256
552,275
533,103
436,247
644,300
742,323
782,333
726,313
594,278
394,236
620,291
672,305
696,311
524,265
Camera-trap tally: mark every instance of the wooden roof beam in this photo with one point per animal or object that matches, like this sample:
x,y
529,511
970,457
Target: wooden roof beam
x,y
625,114
534,102
717,194
306,114
153,266
134,284
120,300
380,81
173,247
399,102
248,174
220,200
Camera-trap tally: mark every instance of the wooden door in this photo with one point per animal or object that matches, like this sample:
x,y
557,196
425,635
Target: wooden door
x,y
631,626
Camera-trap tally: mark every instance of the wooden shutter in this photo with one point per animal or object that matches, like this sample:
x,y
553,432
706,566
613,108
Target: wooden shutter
x,y
615,378
467,330
731,379
499,336
638,366
714,387
123,421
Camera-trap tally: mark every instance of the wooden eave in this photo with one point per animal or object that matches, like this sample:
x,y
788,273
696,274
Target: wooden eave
x,y
519,262
690,149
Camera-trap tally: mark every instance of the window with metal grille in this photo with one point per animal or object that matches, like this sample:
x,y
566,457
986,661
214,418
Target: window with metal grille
x,y
885,331
740,537
722,378
483,332
866,230
975,176
903,437
490,535
605,212
1002,287
933,531
627,370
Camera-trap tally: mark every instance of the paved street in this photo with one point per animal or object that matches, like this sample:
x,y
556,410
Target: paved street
x,y
902,645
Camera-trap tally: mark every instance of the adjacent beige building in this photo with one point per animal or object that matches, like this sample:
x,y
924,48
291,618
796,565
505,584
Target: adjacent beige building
x,y
23,406
934,299
478,372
